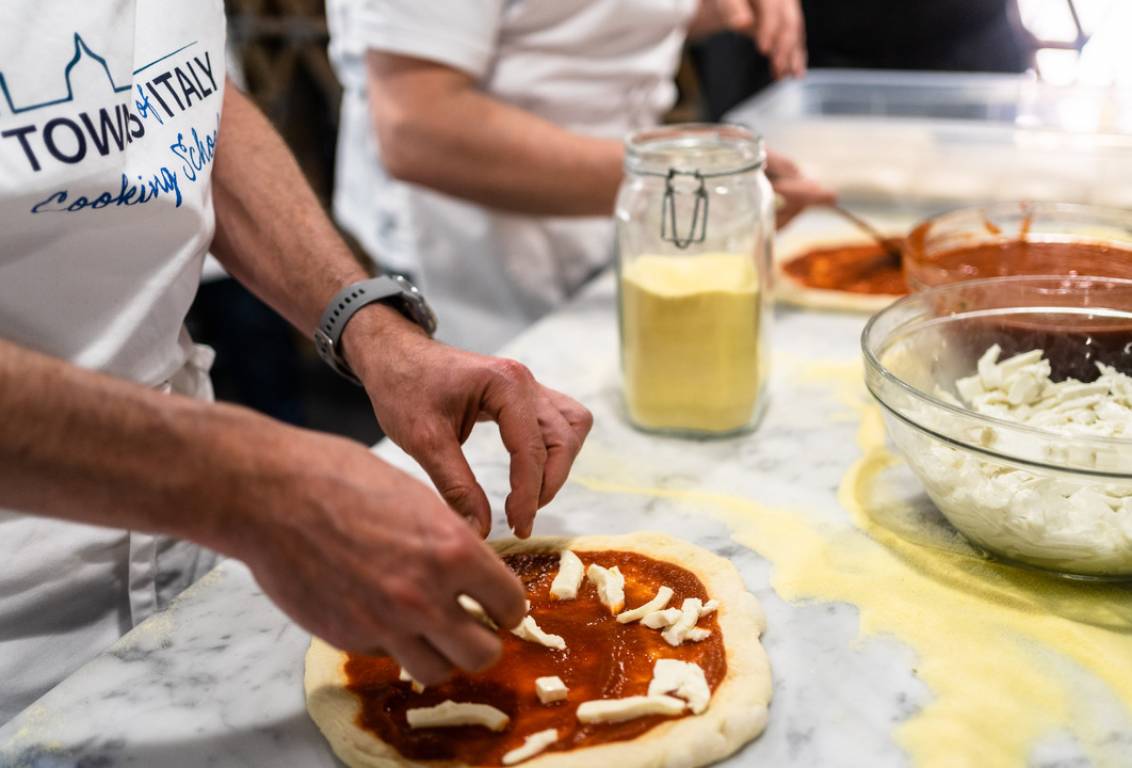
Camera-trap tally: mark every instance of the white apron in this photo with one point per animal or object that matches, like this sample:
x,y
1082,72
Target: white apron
x,y
596,67
108,121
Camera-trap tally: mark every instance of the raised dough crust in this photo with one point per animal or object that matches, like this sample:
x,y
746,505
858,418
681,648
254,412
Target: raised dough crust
x,y
737,713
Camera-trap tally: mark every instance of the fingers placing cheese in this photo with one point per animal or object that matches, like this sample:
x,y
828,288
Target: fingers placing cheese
x,y
451,713
610,586
569,576
662,619
405,677
531,632
689,615
550,689
682,679
532,745
663,595
619,710
476,610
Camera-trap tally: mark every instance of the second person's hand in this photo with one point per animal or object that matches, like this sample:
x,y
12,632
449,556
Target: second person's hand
x,y
776,26
795,190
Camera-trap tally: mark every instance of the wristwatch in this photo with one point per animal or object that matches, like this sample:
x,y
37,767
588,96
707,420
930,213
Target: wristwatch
x,y
393,290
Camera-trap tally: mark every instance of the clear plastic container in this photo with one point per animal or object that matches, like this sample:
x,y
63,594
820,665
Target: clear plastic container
x,y
695,226
929,140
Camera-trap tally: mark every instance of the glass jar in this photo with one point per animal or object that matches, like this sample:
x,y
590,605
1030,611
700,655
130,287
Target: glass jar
x,y
695,224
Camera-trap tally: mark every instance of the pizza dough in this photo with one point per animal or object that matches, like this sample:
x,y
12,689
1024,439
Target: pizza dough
x,y
736,714
791,291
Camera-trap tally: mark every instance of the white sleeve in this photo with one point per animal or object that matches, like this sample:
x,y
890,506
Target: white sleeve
x,y
458,33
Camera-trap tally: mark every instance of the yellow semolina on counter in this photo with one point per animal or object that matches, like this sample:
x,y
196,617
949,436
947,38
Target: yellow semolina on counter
x,y
690,341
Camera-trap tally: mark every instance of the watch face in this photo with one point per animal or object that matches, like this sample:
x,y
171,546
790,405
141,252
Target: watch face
x,y
425,317
415,304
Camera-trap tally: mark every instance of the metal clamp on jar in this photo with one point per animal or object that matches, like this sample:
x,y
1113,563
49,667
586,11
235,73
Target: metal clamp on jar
x,y
695,224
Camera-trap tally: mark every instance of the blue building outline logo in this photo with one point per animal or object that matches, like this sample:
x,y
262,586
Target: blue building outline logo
x,y
82,50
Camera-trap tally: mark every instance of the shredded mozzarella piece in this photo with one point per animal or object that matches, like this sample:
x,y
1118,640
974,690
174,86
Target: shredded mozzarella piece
x,y
682,679
530,631
569,576
630,708
662,619
689,615
663,595
405,677
473,607
550,689
610,586
534,744
450,714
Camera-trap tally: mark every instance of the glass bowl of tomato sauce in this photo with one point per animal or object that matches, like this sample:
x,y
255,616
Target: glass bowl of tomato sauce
x,y
1019,238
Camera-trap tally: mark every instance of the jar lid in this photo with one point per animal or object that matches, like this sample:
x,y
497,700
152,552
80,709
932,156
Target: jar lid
x,y
705,149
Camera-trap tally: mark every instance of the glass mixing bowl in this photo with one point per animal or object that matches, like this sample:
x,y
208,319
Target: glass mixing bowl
x,y
1052,497
991,241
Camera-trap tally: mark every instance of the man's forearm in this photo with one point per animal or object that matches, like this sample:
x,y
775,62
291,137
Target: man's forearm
x,y
271,232
438,130
86,447
274,237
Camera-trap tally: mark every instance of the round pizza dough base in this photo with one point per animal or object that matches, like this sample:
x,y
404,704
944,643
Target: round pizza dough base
x,y
790,291
736,715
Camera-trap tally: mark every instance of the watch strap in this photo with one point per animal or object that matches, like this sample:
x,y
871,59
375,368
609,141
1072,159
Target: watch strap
x,y
328,335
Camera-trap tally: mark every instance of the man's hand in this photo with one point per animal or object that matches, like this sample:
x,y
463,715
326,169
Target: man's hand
x,y
795,191
355,551
777,27
275,238
428,397
369,559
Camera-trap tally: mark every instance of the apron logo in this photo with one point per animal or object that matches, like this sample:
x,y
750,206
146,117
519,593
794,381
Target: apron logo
x,y
69,138
195,156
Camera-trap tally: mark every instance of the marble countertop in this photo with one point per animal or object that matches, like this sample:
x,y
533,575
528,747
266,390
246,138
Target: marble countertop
x,y
217,679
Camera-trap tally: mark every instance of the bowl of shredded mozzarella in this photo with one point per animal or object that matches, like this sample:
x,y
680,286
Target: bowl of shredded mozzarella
x,y
1011,401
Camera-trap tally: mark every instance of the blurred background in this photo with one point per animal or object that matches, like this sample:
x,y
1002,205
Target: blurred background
x,y
279,54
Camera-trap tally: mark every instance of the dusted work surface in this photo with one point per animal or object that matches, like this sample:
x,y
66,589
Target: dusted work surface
x,y
885,647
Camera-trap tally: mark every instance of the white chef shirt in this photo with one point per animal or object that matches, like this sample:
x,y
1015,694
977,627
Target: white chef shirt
x,y
596,67
108,119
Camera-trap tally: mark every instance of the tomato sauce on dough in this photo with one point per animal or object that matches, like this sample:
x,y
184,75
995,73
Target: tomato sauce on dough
x,y
603,660
857,268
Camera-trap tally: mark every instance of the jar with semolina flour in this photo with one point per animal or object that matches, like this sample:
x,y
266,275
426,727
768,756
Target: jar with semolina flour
x,y
695,227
